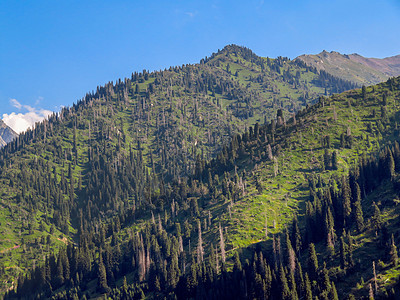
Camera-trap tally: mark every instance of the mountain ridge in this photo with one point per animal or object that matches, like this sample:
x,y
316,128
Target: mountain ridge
x,y
354,67
388,65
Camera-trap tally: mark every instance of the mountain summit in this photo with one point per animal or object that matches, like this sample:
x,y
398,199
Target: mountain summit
x,y
354,67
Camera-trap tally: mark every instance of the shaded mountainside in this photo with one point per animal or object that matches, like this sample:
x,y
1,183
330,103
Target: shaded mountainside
x,y
6,134
354,67
149,183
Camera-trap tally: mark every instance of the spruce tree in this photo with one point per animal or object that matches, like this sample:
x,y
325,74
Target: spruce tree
x,y
296,236
285,293
237,265
59,279
334,159
346,199
343,260
308,291
376,217
333,293
358,212
390,166
312,262
102,276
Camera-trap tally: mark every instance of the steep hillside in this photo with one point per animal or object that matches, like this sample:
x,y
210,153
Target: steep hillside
x,y
127,171
318,174
354,67
129,146
6,134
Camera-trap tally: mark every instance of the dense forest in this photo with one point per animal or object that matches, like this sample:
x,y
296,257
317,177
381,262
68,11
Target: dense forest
x,y
161,186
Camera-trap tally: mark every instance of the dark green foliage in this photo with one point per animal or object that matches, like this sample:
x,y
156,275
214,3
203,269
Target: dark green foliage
x,y
376,217
312,262
358,212
308,291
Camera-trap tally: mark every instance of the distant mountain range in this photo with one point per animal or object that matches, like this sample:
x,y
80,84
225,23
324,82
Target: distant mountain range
x,y
354,67
6,134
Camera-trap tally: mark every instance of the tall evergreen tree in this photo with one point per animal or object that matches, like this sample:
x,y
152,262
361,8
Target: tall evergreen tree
x,y
312,262
308,290
358,212
346,199
102,276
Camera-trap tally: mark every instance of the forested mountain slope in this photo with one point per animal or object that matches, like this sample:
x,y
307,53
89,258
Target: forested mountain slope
x,y
328,175
128,172
354,67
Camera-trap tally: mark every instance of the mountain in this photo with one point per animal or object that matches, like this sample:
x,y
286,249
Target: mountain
x,y
164,184
6,134
389,65
354,67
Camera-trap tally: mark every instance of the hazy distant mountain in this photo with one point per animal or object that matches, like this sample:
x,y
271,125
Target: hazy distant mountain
x,y
6,134
354,67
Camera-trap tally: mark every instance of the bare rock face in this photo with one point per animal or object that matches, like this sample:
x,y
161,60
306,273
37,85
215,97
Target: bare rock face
x,y
354,67
6,134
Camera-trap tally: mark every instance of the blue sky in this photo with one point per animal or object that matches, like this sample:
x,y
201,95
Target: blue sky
x,y
53,52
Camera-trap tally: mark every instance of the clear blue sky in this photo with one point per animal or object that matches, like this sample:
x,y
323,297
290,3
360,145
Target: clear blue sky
x,y
53,52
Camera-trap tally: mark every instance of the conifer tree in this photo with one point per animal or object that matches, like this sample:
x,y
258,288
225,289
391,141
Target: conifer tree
x,y
334,160
102,276
364,92
293,290
326,283
296,236
60,272
308,292
285,293
237,265
390,166
350,249
376,217
343,261
346,199
358,212
312,262
333,293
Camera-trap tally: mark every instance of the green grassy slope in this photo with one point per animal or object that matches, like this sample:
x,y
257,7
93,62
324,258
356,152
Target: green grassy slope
x,y
299,150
